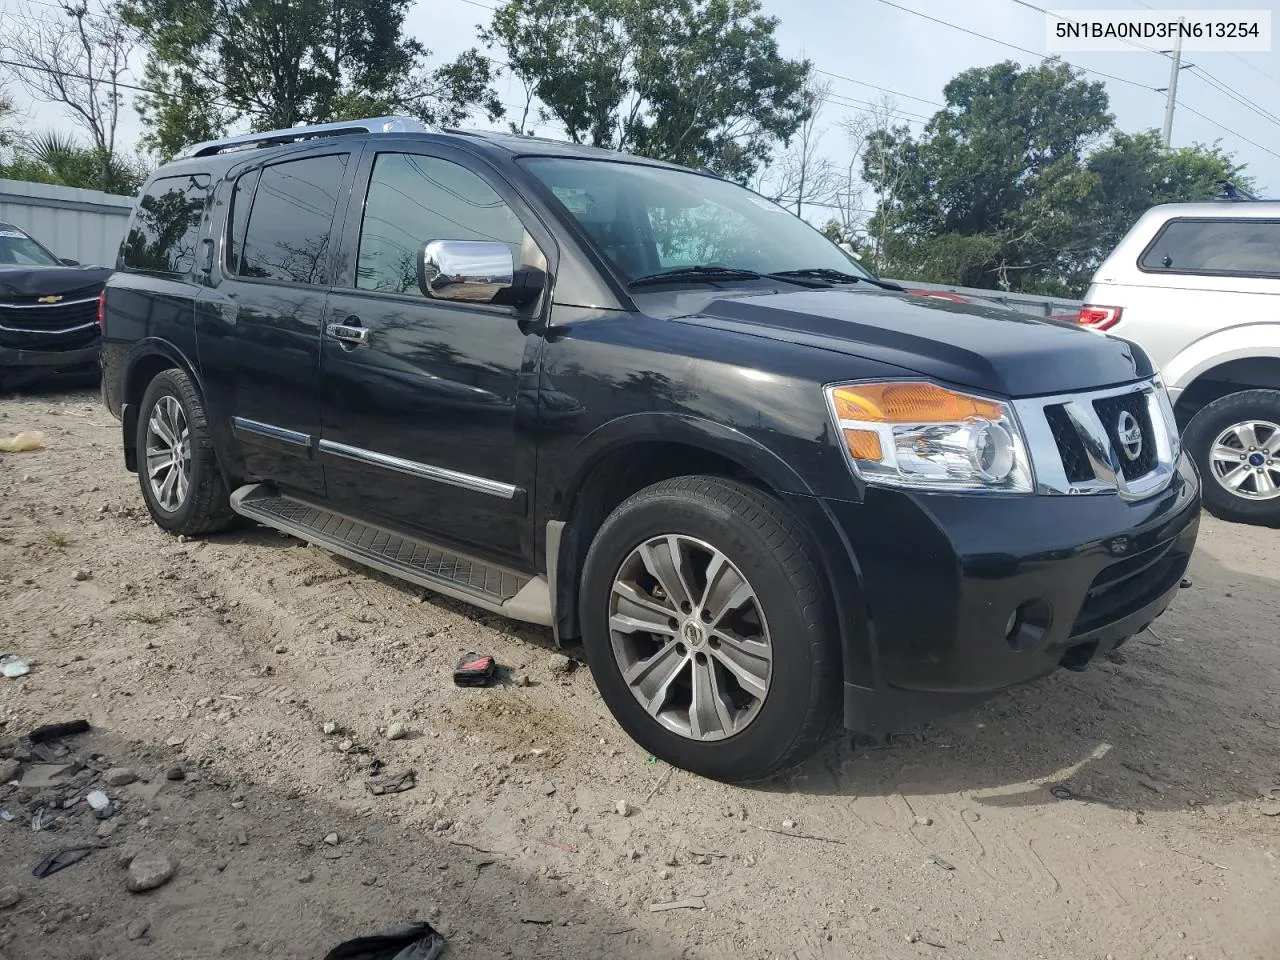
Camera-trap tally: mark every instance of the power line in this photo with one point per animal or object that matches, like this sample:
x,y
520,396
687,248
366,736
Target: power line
x,y
1213,81
840,100
1100,73
1230,131
825,73
863,83
1252,66
1011,46
1050,13
1230,92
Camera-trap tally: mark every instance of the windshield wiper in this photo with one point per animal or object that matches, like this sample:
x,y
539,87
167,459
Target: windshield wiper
x,y
697,274
834,276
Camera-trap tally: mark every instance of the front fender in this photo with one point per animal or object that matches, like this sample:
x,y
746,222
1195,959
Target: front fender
x,y
674,427
1248,341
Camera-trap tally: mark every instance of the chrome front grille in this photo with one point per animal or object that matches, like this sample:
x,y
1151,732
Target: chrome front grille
x,y
64,317
1120,440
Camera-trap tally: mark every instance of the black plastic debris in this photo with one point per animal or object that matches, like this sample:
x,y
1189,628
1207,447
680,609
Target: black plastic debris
x,y
475,670
414,941
1186,583
52,731
60,861
391,783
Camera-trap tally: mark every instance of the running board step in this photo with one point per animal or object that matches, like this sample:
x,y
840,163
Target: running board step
x,y
491,587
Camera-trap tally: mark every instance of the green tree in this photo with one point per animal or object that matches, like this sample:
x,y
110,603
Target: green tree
x,y
6,118
54,158
277,63
1021,182
698,82
1134,171
78,61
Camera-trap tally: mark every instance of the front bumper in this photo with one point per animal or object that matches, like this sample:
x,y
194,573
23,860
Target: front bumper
x,y
941,575
49,360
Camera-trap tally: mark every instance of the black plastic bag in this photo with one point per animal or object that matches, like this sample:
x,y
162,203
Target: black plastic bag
x,y
414,941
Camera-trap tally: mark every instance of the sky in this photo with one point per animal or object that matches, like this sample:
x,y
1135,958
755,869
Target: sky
x,y
879,48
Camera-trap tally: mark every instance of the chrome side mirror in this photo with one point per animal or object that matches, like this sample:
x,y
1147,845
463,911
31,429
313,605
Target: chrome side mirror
x,y
475,271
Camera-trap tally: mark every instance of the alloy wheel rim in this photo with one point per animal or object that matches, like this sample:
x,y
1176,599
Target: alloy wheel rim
x,y
690,637
169,453
1246,460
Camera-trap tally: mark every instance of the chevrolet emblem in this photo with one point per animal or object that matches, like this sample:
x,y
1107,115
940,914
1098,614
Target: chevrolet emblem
x,y
53,298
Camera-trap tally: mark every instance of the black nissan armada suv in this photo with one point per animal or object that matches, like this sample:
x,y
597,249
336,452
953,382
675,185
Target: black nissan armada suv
x,y
651,410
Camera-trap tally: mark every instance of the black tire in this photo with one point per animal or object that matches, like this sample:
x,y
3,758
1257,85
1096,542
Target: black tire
x,y
755,532
1201,434
206,507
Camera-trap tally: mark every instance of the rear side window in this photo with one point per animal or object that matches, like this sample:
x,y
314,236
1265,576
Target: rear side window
x,y
241,204
287,234
1230,247
166,225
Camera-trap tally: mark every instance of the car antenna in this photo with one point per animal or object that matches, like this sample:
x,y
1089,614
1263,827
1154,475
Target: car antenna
x,y
1231,192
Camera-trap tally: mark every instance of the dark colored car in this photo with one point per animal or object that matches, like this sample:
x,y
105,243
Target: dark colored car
x,y
48,311
651,410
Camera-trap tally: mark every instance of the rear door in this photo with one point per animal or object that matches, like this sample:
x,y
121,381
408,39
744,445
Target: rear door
x,y
261,326
420,417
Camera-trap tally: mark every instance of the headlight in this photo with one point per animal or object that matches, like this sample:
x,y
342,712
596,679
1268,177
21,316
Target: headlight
x,y
920,435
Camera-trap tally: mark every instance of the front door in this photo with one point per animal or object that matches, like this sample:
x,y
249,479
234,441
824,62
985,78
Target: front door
x,y
263,320
420,412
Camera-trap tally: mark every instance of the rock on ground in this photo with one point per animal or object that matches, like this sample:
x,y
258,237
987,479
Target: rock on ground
x,y
149,872
119,777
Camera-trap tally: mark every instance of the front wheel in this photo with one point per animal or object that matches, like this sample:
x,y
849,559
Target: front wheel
x,y
1235,442
708,631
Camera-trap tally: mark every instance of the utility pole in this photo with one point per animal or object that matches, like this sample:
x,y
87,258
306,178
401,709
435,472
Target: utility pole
x,y
1171,99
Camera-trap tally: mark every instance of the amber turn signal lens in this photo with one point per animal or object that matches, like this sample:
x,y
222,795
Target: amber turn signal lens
x,y
908,403
863,445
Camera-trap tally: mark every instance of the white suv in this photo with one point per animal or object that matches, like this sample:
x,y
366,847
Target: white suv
x,y
1197,286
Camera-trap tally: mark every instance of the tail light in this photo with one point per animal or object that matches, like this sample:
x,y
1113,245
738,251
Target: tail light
x,y
102,308
1099,318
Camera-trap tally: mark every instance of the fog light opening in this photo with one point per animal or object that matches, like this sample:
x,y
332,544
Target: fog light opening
x,y
1028,625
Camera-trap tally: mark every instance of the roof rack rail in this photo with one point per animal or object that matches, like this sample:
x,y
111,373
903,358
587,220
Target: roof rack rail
x,y
1231,192
271,138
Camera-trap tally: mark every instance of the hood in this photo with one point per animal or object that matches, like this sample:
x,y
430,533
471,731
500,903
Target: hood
x,y
26,283
984,348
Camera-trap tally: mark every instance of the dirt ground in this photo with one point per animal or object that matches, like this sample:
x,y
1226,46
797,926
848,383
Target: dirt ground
x,y
1115,813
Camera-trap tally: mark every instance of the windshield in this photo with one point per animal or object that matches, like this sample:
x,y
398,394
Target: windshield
x,y
17,249
649,220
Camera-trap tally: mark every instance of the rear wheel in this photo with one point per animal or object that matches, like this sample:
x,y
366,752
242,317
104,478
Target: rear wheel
x,y
177,467
1235,442
707,630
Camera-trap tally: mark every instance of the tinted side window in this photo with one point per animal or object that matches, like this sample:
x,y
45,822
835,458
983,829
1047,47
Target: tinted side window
x,y
166,225
241,204
414,199
1216,246
287,236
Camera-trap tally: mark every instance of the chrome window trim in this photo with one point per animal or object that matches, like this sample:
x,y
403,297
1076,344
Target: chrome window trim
x,y
270,431
423,471
1046,459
